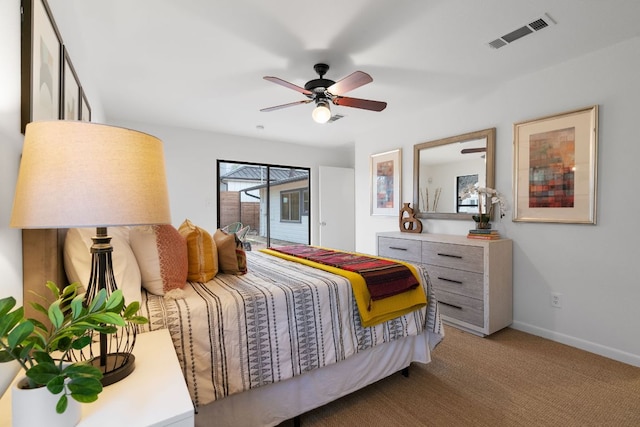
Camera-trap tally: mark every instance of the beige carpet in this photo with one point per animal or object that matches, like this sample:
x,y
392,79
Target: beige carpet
x,y
508,379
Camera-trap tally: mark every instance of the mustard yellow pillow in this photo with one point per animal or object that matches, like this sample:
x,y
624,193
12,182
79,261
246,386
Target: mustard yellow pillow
x,y
202,252
227,258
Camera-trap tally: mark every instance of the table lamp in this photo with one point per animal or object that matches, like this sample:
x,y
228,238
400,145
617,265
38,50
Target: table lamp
x,y
81,174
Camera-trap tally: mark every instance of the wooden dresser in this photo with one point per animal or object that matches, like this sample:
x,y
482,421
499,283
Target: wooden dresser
x,y
472,278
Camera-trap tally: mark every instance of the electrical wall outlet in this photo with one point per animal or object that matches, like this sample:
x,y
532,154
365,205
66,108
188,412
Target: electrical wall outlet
x,y
556,300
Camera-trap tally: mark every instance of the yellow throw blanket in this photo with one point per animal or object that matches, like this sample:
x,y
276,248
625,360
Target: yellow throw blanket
x,y
371,312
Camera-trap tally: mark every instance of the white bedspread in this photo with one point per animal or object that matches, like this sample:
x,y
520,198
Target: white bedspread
x,y
278,321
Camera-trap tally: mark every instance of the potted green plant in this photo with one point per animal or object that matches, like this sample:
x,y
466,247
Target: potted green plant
x,y
42,351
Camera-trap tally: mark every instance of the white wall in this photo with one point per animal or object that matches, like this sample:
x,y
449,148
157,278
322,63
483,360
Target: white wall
x,y
191,167
595,268
10,149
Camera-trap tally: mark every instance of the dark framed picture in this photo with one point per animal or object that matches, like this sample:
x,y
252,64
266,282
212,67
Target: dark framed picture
x,y
85,108
41,56
555,168
70,90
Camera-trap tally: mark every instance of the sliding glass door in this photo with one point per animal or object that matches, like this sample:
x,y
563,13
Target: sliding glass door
x,y
269,203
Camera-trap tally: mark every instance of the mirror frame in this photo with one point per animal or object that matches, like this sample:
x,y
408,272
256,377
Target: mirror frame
x,y
489,134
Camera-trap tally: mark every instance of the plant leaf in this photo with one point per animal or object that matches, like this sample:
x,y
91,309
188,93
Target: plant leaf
x,y
76,307
43,357
5,356
10,320
81,342
39,307
115,300
87,386
20,334
98,302
6,304
38,324
109,318
84,398
53,288
78,370
42,373
132,309
61,406
56,384
55,314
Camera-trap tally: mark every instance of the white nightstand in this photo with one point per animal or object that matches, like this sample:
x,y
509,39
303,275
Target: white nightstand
x,y
155,394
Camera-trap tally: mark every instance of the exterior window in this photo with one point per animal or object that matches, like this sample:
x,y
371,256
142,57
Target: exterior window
x,y
305,202
290,206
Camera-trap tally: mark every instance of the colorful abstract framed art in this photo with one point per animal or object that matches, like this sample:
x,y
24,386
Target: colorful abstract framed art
x,y
386,173
555,168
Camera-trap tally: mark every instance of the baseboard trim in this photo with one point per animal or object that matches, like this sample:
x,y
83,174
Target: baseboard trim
x,y
611,353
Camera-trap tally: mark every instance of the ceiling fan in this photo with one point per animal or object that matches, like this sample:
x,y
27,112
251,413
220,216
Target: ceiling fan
x,y
473,150
324,91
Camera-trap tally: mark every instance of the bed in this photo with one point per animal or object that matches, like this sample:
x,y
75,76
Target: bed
x,y
282,339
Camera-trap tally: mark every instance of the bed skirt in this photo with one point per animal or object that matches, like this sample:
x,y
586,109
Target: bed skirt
x,y
272,404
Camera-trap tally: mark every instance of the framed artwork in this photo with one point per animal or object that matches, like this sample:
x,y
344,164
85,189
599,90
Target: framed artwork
x,y
555,168
70,90
385,183
85,108
41,55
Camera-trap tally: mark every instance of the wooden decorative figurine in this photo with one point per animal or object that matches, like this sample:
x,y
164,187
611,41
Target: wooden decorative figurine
x,y
408,222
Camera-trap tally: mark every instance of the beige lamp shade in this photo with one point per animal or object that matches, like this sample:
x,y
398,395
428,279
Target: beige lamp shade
x,y
80,174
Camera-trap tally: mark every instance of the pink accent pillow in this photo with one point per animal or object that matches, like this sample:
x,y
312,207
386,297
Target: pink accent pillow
x,y
161,252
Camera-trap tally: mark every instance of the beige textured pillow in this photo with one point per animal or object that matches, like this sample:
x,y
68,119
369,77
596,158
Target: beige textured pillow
x,y
202,252
77,260
227,259
161,252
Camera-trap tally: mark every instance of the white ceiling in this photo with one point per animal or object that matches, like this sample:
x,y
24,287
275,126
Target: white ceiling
x,y
199,63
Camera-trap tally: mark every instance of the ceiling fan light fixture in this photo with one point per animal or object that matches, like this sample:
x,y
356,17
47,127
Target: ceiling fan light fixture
x,y
322,112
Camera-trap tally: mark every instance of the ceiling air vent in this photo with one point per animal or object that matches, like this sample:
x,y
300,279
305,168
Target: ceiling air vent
x,y
334,118
535,25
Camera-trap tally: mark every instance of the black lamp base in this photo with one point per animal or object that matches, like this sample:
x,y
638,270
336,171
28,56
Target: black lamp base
x,y
115,375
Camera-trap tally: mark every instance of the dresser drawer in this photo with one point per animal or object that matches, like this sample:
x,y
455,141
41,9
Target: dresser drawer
x,y
461,257
402,249
462,308
460,282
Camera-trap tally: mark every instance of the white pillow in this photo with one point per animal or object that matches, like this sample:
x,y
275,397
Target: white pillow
x,y
161,252
77,260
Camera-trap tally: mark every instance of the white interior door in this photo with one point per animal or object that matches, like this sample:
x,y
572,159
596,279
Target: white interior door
x,y
337,207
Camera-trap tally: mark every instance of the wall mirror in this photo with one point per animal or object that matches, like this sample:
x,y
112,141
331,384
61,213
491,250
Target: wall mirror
x,y
443,166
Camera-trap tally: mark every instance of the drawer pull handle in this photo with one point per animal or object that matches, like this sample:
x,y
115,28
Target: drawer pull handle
x,y
450,305
397,248
449,255
450,280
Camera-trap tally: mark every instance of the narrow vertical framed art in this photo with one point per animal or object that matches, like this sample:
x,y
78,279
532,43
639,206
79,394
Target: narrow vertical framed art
x,y
70,89
85,108
555,168
41,56
386,172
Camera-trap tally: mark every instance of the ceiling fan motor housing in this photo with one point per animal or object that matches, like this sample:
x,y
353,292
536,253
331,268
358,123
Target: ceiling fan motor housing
x,y
318,86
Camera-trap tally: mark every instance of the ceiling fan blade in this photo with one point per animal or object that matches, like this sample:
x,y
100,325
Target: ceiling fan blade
x,y
473,150
291,104
284,83
365,104
351,82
